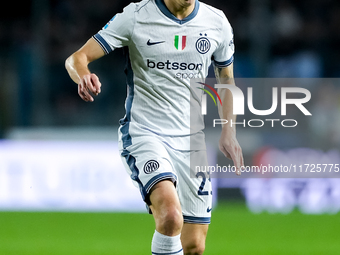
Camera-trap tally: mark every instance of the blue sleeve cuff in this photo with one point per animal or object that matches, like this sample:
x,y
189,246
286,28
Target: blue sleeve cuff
x,y
103,44
224,63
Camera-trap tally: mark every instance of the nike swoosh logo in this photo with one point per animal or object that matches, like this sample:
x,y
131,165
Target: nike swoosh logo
x,y
153,43
209,209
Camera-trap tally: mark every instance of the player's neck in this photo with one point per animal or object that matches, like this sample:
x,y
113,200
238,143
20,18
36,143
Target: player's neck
x,y
180,8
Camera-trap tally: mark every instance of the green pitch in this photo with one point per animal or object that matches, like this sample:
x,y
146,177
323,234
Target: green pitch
x,y
234,230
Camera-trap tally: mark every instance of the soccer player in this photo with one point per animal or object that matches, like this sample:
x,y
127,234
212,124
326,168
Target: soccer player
x,y
169,42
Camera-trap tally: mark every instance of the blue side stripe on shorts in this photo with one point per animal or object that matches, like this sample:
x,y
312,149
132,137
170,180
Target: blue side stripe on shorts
x,y
198,220
176,252
131,161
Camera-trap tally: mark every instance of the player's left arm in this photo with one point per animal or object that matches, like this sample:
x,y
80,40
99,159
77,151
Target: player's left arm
x,y
228,143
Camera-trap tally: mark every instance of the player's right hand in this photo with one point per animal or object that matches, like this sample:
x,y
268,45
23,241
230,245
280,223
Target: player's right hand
x,y
89,85
230,147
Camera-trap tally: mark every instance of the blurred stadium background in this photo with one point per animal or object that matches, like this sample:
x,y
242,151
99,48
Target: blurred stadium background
x,y
62,185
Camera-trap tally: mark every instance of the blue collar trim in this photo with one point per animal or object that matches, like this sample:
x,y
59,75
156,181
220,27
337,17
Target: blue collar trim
x,y
161,5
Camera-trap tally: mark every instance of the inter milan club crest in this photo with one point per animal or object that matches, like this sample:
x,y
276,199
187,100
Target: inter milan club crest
x,y
180,42
151,166
203,44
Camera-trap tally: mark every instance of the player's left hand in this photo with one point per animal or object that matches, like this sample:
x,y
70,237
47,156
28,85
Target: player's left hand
x,y
230,147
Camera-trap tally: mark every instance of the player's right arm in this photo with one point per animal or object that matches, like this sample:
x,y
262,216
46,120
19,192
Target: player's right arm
x,y
77,68
115,34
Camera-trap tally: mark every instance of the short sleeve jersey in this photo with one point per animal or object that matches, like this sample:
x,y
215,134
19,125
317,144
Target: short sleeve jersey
x,y
164,54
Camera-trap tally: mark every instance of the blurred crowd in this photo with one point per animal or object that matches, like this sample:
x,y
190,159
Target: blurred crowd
x,y
281,38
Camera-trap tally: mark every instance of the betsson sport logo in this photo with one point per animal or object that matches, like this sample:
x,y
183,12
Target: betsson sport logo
x,y
238,105
185,70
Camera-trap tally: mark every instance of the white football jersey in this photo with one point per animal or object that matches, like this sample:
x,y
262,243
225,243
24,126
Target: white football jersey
x,y
164,54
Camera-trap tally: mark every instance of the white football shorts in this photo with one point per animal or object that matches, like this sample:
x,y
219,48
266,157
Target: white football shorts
x,y
149,160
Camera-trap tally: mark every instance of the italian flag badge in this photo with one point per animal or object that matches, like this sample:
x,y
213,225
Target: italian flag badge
x,y
180,42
